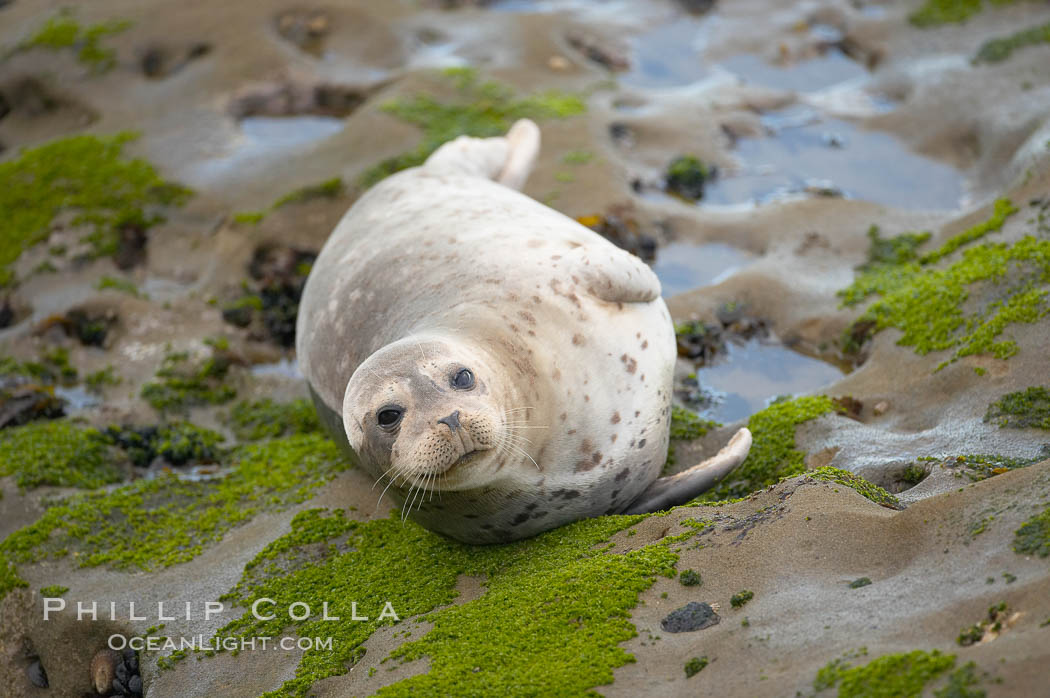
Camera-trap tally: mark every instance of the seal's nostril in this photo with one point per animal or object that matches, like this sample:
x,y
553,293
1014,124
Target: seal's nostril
x,y
452,420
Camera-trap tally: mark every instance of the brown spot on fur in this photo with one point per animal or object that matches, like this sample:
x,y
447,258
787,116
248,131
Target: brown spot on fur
x,y
615,418
571,431
586,446
577,339
645,344
527,317
629,363
596,457
563,416
613,438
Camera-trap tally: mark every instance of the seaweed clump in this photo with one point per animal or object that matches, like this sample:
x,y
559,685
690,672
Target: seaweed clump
x,y
269,304
989,627
482,109
1025,408
1033,537
694,666
177,443
686,177
88,178
926,304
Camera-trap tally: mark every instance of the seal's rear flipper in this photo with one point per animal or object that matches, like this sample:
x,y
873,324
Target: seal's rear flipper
x,y
677,489
506,159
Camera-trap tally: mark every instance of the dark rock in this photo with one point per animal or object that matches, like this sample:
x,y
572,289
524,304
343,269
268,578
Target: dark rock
x,y
37,675
693,616
21,404
697,7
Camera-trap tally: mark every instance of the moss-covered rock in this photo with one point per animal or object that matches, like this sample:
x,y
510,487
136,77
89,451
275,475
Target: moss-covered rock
x,y
185,383
927,304
88,177
176,443
555,601
1025,408
866,489
266,419
483,109
1033,537
162,521
998,50
63,31
686,177
903,675
56,453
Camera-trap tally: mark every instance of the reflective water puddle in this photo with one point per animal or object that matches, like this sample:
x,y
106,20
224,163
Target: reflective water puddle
x,y
809,154
751,375
682,267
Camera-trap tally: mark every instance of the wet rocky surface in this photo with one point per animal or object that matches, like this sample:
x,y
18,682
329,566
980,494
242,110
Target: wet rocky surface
x,y
744,150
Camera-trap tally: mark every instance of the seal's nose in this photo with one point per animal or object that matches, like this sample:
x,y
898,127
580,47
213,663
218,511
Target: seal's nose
x,y
452,421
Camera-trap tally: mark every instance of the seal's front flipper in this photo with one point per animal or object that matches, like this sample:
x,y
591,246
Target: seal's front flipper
x,y
506,159
677,489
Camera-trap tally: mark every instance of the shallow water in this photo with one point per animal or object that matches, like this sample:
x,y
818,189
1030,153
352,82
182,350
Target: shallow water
x,y
264,138
805,148
682,267
752,374
667,56
832,68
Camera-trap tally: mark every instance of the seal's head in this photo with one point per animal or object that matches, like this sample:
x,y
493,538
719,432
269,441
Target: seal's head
x,y
430,413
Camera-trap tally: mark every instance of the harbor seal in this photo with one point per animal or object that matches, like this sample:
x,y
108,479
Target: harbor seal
x,y
498,367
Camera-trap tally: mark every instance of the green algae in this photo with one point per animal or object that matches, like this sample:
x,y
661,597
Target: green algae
x,y
86,177
555,608
773,453
481,109
162,521
903,675
927,304
63,31
117,284
937,12
864,488
56,453
53,591
962,684
185,383
1022,409
860,582
328,189
979,467
98,380
740,599
695,665
52,368
1033,537
686,176
998,50
993,623
9,579
249,217
690,578
264,419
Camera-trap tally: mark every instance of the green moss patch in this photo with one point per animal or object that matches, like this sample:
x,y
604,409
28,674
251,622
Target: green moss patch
x,y
686,176
86,177
185,383
928,304
176,443
481,109
56,453
979,467
690,578
866,489
933,13
1022,409
685,426
991,624
53,591
997,50
555,609
9,579
1033,537
264,419
163,521
902,675
63,31
773,453
694,666
740,599
328,189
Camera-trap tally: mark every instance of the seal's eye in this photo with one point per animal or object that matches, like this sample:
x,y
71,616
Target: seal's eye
x,y
463,379
389,417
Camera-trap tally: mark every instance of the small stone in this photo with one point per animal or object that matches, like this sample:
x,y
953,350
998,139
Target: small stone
x,y
103,670
693,616
880,408
560,63
37,675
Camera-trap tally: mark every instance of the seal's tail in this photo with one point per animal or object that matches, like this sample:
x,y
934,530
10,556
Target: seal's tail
x,y
506,159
